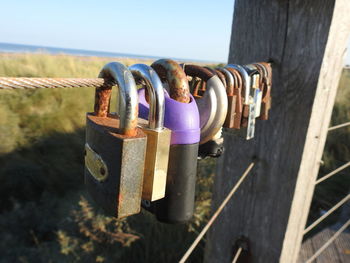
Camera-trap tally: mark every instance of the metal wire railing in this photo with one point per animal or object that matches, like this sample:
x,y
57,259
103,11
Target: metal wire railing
x,y
330,241
339,126
323,178
216,214
334,208
330,211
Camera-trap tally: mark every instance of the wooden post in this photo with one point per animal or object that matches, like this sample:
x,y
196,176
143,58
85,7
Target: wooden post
x,y
306,40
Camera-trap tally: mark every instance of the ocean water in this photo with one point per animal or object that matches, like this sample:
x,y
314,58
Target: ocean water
x,y
19,48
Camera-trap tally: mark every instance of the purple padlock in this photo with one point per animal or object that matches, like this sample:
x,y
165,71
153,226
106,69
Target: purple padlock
x,y
181,118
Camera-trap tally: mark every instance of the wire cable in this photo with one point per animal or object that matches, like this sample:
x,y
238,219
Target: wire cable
x,y
215,215
321,249
332,173
330,211
51,83
238,253
339,126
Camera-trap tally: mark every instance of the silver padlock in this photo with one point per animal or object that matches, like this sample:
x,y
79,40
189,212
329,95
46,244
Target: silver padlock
x,y
255,84
212,105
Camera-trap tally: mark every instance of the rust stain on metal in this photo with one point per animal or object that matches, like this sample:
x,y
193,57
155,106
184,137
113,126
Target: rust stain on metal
x,y
102,100
197,71
171,72
266,88
221,77
237,91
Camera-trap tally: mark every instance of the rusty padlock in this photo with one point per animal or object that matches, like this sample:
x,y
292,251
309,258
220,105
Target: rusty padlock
x,y
266,72
158,137
237,91
248,114
115,146
231,97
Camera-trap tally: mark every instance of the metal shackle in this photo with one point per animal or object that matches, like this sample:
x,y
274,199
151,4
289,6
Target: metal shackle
x,y
213,105
170,71
221,77
119,75
154,86
245,79
230,82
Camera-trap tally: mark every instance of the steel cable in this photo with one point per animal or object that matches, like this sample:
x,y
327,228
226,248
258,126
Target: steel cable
x,y
321,249
51,83
215,215
330,211
238,253
339,126
333,173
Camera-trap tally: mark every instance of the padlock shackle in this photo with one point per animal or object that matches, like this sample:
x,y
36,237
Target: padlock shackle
x,y
198,71
119,74
229,80
170,71
245,79
267,77
154,86
238,84
221,77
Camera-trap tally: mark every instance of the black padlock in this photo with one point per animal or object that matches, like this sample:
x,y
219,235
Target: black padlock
x,y
182,118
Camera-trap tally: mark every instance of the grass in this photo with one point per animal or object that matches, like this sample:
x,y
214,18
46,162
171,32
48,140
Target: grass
x,y
45,215
43,205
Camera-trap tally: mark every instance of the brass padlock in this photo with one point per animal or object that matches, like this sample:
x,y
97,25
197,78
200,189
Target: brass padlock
x,y
115,146
158,137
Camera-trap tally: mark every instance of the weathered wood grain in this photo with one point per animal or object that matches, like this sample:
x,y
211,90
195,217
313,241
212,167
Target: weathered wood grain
x,y
271,207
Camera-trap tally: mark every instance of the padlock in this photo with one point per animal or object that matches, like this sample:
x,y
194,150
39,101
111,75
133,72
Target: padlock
x,y
255,82
231,97
248,115
237,91
158,137
115,146
213,148
182,118
212,105
266,71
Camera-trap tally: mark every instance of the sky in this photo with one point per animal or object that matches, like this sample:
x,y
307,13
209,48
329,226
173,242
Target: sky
x,y
197,29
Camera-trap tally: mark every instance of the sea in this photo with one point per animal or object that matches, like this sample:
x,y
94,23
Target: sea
x,y
20,48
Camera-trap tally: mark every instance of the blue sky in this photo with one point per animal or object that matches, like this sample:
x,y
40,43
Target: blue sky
x,y
197,29
183,29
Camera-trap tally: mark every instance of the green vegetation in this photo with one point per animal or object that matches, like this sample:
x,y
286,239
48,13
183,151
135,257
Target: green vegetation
x,y
45,214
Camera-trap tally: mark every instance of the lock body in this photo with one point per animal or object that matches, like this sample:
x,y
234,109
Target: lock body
x,y
156,163
178,204
118,188
231,111
158,137
183,120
